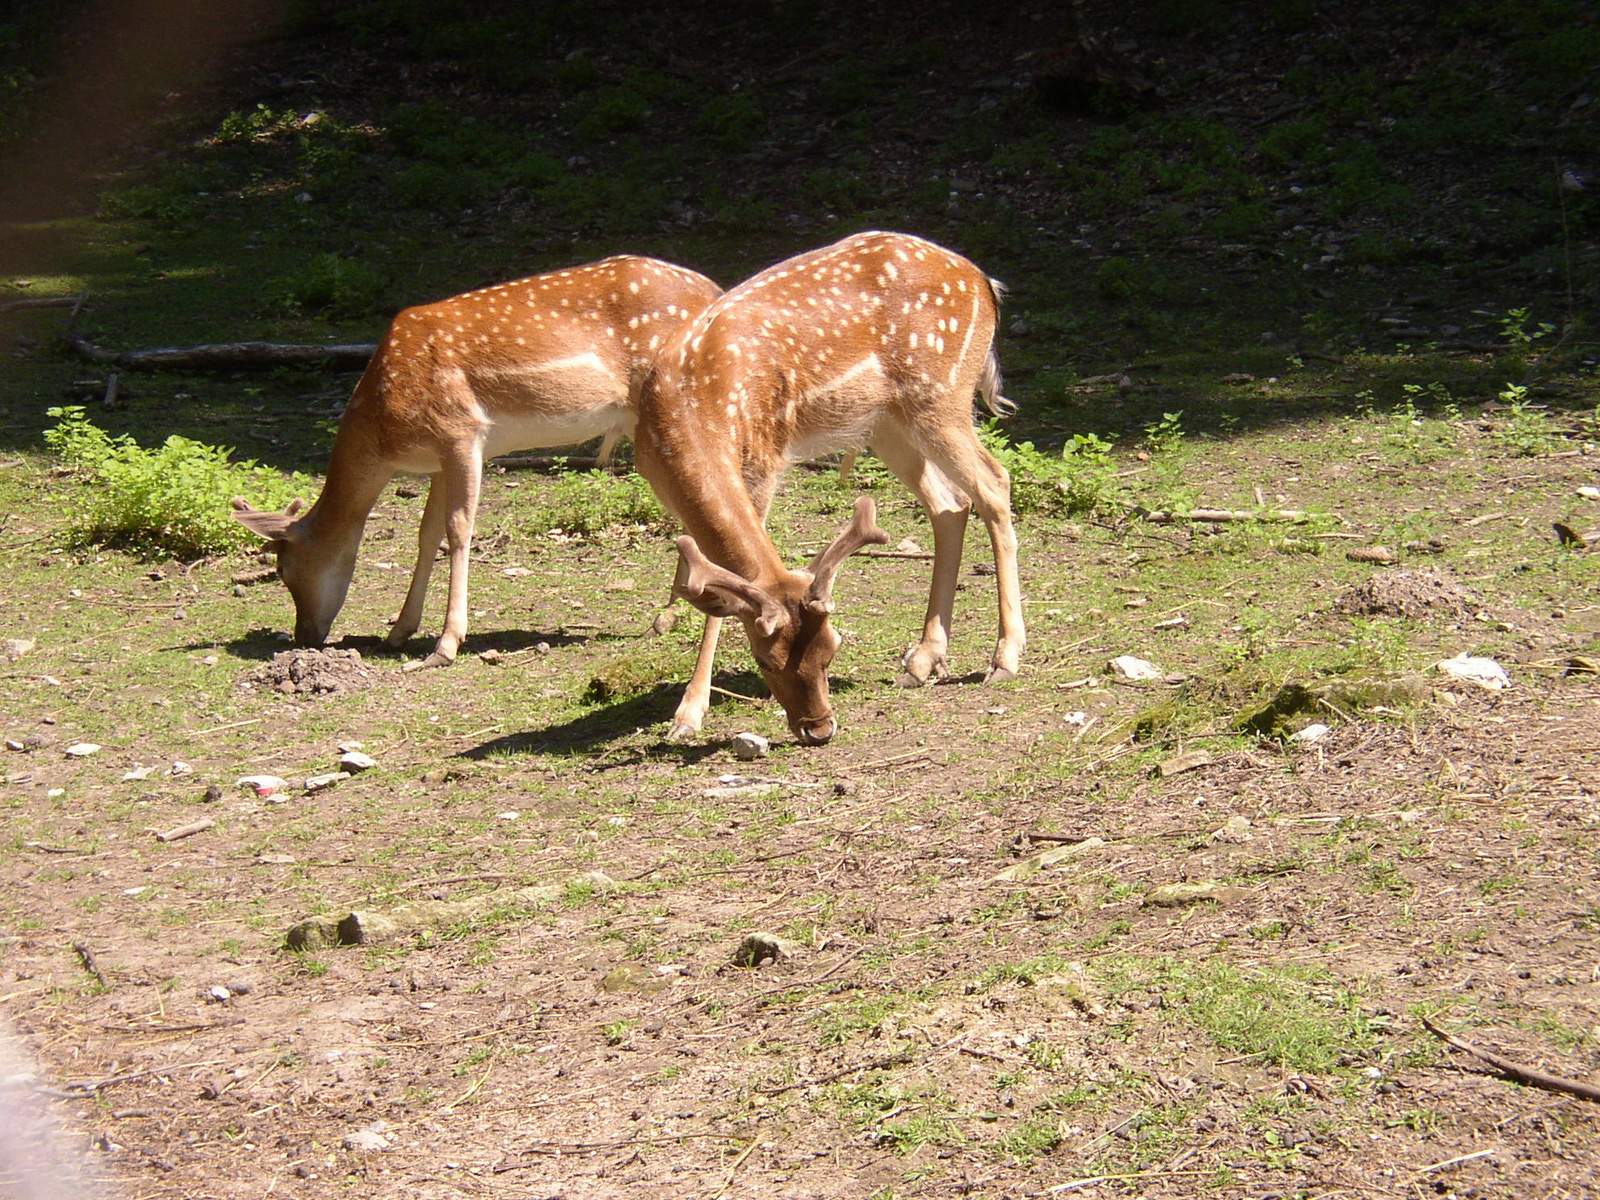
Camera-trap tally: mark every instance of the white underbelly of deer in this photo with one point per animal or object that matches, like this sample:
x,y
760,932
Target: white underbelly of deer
x,y
822,415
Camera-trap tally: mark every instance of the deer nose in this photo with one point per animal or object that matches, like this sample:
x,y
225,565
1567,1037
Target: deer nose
x,y
816,733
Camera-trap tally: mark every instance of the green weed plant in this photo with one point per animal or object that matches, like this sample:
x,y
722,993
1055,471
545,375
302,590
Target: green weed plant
x,y
170,502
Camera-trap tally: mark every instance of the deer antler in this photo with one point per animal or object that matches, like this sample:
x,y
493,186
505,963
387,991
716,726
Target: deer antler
x,y
720,592
862,531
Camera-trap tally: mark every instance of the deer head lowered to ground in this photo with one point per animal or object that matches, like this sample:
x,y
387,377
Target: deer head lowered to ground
x,y
879,340
546,361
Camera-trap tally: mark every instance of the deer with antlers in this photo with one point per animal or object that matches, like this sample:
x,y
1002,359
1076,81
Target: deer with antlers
x,y
546,361
881,340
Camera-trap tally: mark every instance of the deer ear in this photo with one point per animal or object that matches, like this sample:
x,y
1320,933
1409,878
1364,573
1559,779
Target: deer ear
x,y
719,592
272,526
862,531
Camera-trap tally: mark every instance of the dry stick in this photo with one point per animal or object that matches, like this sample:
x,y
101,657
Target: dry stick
x,y
888,1060
86,957
1450,1162
734,1170
183,831
1528,1075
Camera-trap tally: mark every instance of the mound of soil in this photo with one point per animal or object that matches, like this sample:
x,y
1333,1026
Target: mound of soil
x,y
315,673
1415,594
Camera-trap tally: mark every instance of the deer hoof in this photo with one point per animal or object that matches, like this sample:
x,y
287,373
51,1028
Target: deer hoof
x,y
907,679
999,675
433,660
683,731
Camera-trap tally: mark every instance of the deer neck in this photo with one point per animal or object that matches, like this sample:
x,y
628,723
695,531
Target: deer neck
x,y
356,478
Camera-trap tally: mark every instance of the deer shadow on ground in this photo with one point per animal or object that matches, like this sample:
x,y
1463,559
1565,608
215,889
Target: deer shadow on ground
x,y
630,717
261,645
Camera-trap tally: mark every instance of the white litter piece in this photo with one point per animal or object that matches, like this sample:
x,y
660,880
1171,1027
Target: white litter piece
x,y
1311,733
1129,667
82,749
1484,672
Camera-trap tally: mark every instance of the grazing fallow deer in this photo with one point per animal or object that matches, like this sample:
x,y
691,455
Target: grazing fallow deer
x,y
879,340
545,361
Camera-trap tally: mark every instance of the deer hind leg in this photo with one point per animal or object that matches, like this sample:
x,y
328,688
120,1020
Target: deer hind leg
x,y
430,535
947,508
956,451
462,477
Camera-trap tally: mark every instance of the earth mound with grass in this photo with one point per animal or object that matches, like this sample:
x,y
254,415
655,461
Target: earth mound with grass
x,y
310,672
1416,595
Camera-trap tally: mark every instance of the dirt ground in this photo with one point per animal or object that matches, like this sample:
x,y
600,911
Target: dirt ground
x,y
596,1045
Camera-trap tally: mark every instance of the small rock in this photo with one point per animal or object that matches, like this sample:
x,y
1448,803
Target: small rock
x,y
81,749
365,1139
213,793
15,648
218,994
765,949
516,572
907,546
492,656
508,815
354,761
180,768
1184,762
1127,666
750,746
1238,377
1235,831
317,783
276,860
14,744
350,747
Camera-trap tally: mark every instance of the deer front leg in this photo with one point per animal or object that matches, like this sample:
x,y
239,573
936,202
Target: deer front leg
x,y
696,702
462,476
930,658
429,537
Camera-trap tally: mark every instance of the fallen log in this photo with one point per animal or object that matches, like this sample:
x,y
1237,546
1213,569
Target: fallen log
x,y
229,356
40,302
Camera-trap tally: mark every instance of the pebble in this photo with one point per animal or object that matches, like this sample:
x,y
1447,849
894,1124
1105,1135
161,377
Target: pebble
x,y
354,761
180,768
82,749
15,648
317,783
365,1139
748,747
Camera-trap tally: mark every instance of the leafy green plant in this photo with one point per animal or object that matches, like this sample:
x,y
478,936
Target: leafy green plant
x,y
1079,480
329,284
1165,434
1525,433
170,501
586,503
